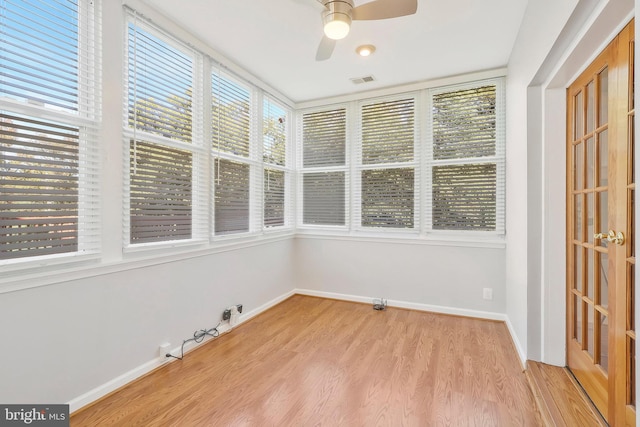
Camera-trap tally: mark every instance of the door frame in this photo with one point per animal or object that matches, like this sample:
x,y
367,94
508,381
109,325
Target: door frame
x,y
587,33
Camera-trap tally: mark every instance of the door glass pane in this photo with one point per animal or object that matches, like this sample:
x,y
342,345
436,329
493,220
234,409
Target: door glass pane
x,y
590,329
631,297
577,309
632,224
577,233
603,91
590,162
578,130
590,217
631,372
603,153
577,253
604,280
578,165
590,109
590,256
603,342
603,197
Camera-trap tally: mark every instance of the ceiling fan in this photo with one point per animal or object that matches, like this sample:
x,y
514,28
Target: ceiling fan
x,y
337,16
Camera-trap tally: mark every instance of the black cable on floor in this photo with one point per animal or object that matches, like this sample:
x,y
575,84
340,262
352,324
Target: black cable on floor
x,y
198,337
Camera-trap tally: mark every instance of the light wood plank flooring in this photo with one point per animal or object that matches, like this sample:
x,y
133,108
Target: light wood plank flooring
x,y
560,399
313,361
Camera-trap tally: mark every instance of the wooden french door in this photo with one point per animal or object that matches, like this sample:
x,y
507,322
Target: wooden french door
x,y
600,230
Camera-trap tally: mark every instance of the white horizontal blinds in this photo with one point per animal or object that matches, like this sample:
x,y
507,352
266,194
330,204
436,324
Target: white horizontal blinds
x,y
39,45
159,136
39,181
387,180
231,115
232,121
323,198
49,163
160,193
274,156
468,159
324,167
464,197
274,197
160,86
274,131
388,132
232,195
324,138
464,123
387,198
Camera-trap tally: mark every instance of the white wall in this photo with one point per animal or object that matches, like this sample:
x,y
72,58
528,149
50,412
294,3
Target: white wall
x,y
60,341
541,25
444,276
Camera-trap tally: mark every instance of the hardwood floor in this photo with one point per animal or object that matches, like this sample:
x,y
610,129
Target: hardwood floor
x,y
313,361
560,399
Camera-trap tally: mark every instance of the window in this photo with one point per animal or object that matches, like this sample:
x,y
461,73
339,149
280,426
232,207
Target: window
x,y
467,158
232,116
324,167
162,143
387,163
49,119
428,174
276,169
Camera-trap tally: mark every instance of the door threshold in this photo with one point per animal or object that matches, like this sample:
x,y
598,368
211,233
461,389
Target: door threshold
x,y
560,399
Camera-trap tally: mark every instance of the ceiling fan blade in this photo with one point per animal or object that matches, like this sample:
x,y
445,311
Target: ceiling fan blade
x,y
384,9
325,49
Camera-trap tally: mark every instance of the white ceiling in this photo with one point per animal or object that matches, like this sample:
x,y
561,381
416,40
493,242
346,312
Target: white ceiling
x,y
276,40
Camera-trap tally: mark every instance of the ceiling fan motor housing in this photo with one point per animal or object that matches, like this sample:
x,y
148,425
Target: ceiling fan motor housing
x,y
337,10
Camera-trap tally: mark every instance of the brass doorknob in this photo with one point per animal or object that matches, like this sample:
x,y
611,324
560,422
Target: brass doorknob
x,y
611,236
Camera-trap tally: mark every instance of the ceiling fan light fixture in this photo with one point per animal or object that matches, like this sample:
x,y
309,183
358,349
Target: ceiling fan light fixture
x,y
336,29
337,18
365,49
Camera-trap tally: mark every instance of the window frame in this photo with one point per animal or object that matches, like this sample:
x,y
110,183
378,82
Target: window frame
x,y
88,119
346,169
359,167
499,159
195,146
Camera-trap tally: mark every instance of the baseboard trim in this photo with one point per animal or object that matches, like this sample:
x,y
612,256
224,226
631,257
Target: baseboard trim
x,y
516,342
405,304
111,386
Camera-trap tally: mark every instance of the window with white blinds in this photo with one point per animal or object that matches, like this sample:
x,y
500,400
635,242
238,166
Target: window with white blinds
x,y
387,164
49,121
429,163
467,158
232,125
276,170
324,167
160,141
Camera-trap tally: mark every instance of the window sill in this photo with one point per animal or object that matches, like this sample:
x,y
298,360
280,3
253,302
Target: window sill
x,y
469,240
44,275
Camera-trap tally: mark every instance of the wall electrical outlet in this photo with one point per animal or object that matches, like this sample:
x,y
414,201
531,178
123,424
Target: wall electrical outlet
x,y
226,315
487,293
164,349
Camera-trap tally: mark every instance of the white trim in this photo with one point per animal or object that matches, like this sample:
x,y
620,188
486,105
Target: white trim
x,y
147,367
488,315
494,242
46,277
516,342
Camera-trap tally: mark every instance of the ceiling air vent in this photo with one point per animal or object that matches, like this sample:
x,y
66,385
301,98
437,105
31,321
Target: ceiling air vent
x,y
359,80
